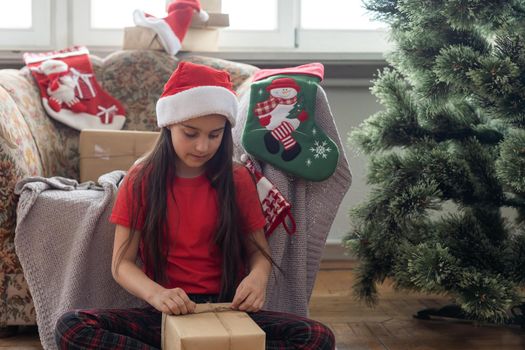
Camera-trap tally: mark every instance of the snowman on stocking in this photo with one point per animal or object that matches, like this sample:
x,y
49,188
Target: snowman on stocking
x,y
276,114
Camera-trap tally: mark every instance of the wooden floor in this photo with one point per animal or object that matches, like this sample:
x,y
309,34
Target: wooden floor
x,y
389,326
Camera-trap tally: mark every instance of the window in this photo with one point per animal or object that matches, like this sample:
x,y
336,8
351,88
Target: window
x,y
336,15
259,23
304,25
281,25
346,23
255,25
19,16
25,23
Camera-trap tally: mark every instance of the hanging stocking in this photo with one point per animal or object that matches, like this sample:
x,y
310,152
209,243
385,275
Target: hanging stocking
x,y
70,92
275,207
280,128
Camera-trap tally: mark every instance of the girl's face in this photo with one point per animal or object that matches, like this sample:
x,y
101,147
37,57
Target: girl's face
x,y
196,141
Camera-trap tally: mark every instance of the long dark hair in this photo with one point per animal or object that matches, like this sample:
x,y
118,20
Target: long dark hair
x,y
155,173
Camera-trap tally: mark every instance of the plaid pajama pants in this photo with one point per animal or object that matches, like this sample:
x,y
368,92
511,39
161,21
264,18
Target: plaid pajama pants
x,y
140,328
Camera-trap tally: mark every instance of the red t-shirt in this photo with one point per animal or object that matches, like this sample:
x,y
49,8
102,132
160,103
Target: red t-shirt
x,y
194,262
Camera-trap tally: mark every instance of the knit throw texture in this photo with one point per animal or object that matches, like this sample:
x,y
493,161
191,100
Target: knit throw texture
x,y
64,242
314,207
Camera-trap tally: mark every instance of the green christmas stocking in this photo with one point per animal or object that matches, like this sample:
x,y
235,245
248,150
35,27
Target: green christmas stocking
x,y
280,128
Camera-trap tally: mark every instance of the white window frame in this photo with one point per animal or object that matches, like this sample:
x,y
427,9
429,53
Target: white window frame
x,y
38,36
62,23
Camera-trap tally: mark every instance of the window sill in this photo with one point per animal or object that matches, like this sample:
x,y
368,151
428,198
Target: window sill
x,y
12,57
275,57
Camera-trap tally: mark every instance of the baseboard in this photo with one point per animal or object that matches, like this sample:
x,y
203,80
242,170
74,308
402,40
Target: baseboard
x,y
334,250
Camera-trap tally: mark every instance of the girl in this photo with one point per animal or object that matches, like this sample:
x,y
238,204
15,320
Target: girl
x,y
195,220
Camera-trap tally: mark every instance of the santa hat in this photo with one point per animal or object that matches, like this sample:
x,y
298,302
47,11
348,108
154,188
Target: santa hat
x,y
280,83
193,91
52,67
172,29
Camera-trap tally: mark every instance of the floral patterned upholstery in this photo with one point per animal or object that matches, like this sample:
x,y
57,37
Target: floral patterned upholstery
x,y
32,144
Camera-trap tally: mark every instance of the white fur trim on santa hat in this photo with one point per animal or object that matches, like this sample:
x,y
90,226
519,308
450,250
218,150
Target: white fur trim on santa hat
x,y
200,18
203,16
196,102
167,38
31,57
52,67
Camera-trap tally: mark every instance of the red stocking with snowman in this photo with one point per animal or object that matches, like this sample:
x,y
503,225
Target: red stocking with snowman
x,y
70,92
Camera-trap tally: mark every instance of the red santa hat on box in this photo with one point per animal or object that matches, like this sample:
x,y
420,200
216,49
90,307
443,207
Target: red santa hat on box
x,y
173,28
194,90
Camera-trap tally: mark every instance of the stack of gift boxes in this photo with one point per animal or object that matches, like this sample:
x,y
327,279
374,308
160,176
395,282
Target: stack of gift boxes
x,y
201,36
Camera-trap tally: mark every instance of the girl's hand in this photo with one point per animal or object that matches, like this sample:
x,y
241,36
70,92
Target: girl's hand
x,y
172,302
251,292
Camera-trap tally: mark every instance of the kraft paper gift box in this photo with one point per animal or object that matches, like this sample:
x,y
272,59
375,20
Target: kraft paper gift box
x,y
200,37
102,151
212,327
141,38
197,39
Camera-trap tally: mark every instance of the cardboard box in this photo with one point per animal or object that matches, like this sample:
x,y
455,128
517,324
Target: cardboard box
x,y
200,36
201,40
212,327
141,38
197,39
102,151
216,20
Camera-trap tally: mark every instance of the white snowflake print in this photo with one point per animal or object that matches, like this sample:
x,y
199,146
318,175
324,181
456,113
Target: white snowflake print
x,y
320,149
261,91
308,162
314,131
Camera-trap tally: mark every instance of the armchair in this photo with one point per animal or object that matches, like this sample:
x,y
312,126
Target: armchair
x,y
32,144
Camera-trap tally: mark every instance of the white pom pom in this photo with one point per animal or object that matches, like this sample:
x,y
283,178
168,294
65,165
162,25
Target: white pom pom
x,y
244,158
203,16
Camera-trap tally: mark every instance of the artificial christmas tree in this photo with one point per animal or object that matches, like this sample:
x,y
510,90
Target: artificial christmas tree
x,y
446,213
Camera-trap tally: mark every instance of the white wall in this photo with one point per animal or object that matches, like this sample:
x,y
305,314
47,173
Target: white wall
x,y
350,106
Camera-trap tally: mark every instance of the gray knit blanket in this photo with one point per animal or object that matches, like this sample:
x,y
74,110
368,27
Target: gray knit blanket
x,y
64,242
314,206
